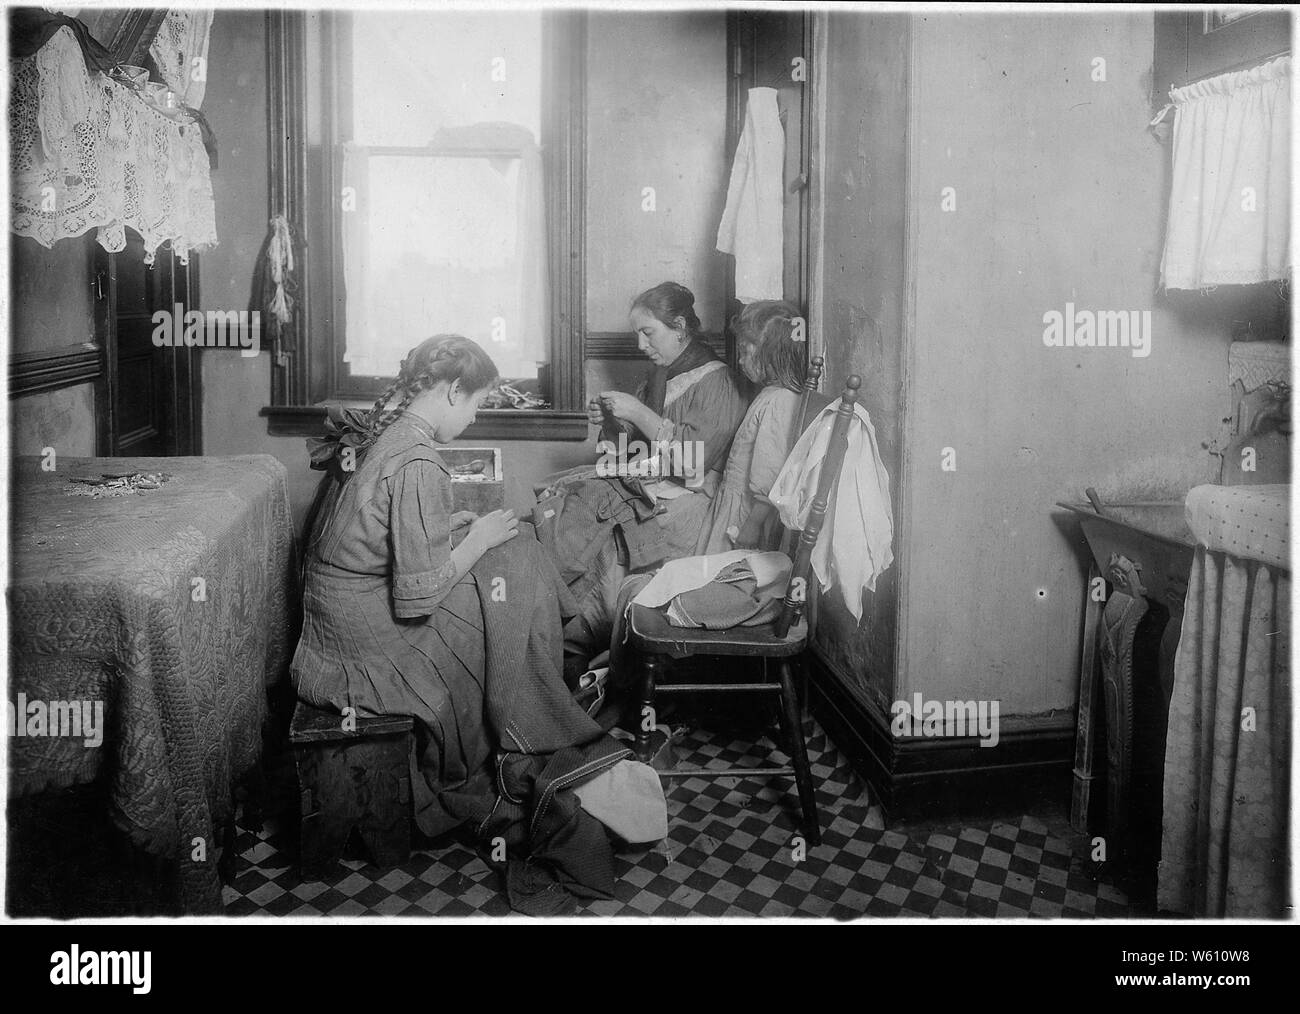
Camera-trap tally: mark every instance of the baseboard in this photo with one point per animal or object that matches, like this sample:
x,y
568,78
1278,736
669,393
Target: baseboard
x,y
925,779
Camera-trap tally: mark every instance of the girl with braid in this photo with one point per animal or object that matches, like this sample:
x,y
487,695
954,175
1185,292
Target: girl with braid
x,y
397,616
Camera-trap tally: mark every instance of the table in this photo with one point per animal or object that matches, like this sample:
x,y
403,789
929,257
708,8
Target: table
x,y
171,607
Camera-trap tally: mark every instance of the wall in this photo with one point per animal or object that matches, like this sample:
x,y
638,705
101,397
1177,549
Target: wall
x,y
235,388
65,418
656,95
863,264
1059,197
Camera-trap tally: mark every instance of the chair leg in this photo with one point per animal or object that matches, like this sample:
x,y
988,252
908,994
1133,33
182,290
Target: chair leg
x,y
650,667
798,751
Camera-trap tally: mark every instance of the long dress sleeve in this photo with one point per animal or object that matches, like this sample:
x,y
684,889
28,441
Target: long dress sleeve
x,y
420,535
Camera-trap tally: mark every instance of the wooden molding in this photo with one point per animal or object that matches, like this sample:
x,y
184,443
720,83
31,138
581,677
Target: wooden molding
x,y
622,345
491,424
941,778
49,369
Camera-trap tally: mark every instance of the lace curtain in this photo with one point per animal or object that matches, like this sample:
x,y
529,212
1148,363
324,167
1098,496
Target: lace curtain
x,y
1230,206
180,49
89,153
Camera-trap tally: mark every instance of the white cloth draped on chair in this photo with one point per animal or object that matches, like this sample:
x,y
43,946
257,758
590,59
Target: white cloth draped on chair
x,y
1224,851
1230,201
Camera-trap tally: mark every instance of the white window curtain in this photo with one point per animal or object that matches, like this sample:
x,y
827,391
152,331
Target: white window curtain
x,y
1230,212
447,243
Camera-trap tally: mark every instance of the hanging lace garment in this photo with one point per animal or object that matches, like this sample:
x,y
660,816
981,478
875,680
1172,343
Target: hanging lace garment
x,y
87,152
180,49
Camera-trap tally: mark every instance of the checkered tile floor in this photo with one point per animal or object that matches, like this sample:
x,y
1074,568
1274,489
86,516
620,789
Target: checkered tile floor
x,y
730,852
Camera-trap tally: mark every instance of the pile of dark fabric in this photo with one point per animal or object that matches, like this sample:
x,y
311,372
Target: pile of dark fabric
x,y
546,746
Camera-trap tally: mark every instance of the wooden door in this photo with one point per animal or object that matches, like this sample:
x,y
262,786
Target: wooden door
x,y
152,391
773,49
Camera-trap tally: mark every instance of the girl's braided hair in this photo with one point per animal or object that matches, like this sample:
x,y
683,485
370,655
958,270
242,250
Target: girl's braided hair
x,y
444,357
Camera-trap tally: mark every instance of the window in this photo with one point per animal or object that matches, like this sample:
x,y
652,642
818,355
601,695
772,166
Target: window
x,y
432,161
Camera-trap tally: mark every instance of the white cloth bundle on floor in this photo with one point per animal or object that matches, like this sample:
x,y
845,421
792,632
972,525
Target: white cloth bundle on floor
x,y
751,222
856,543
629,800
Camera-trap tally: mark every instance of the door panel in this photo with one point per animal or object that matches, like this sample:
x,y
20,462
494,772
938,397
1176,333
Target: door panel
x,y
153,391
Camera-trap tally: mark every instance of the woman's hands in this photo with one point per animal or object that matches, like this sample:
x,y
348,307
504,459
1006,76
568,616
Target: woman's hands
x,y
462,518
620,405
494,529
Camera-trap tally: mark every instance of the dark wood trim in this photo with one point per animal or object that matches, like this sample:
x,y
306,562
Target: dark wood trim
x,y
286,110
622,345
50,369
565,160
104,273
925,779
492,424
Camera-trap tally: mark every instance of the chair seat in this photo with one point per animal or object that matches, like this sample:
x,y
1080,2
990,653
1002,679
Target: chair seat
x,y
651,632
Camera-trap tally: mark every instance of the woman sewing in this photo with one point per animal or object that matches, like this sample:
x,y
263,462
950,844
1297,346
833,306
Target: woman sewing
x,y
662,454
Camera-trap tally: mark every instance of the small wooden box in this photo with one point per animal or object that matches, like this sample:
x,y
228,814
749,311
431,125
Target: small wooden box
x,y
478,491
352,779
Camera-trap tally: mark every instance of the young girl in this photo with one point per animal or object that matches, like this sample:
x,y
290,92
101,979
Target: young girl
x,y
463,632
740,516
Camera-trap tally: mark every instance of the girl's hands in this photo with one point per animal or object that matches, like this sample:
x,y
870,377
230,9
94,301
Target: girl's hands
x,y
595,413
492,530
462,518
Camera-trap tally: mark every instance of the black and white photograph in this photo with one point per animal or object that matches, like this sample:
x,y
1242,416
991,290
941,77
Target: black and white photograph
x,y
787,463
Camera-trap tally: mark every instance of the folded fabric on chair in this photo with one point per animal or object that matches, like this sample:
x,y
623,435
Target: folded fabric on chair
x,y
732,599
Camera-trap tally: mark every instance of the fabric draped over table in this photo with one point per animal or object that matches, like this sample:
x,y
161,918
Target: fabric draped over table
x,y
1230,201
87,152
1224,852
103,606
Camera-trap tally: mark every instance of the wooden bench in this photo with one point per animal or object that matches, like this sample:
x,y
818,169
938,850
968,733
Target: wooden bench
x,y
352,776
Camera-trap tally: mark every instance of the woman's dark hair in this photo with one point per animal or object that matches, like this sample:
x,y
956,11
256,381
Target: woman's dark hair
x,y
768,325
446,357
668,301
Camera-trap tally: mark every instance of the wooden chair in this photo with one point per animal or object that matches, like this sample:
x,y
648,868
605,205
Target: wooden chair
x,y
654,641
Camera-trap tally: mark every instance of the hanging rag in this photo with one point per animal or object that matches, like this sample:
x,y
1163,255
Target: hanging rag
x,y
275,285
751,226
855,546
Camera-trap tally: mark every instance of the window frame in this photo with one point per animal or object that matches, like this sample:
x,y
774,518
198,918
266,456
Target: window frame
x,y
307,373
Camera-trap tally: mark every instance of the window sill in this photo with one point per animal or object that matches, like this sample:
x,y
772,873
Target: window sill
x,y
491,424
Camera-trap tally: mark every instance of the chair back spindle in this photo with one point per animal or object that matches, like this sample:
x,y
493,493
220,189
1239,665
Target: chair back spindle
x,y
797,593
812,379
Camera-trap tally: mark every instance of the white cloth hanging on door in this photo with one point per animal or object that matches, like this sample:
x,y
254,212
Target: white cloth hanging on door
x,y
856,542
751,222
